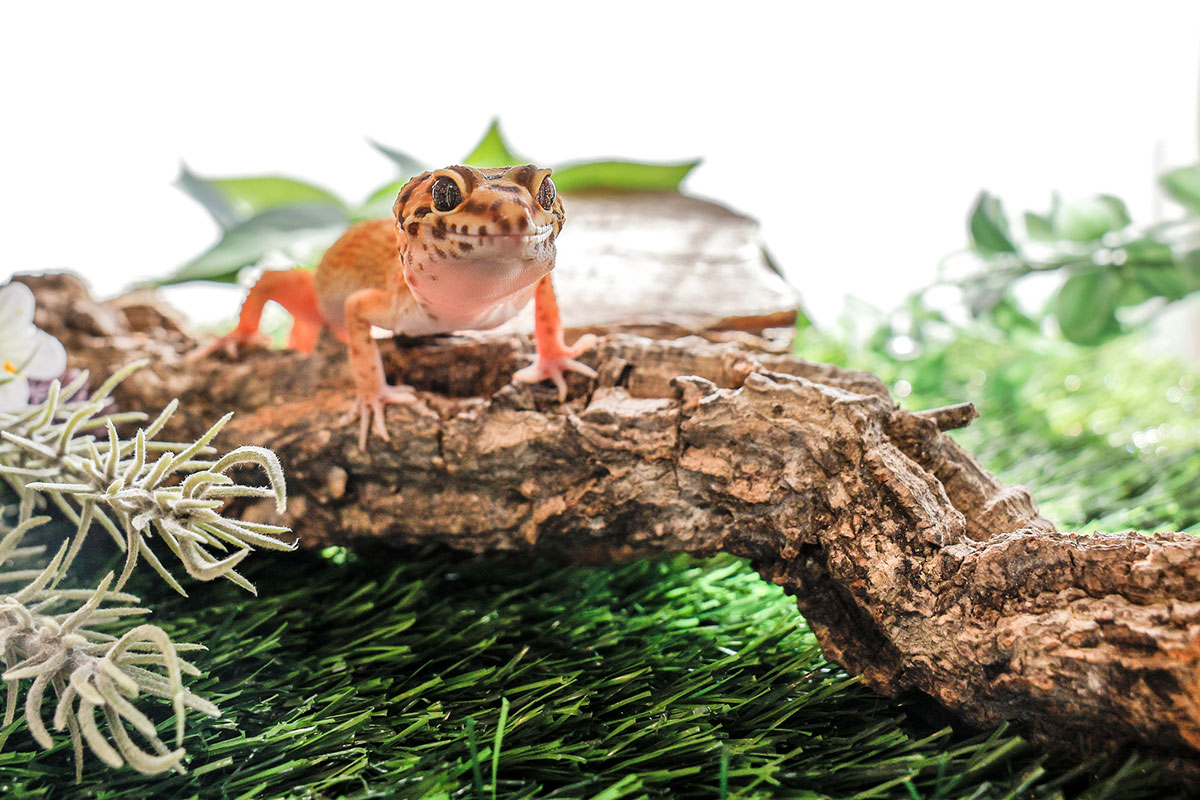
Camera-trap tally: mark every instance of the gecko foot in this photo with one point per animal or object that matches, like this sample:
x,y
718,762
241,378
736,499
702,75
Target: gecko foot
x,y
552,365
369,411
232,344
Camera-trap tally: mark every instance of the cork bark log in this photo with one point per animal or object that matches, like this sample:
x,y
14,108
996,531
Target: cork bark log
x,y
915,567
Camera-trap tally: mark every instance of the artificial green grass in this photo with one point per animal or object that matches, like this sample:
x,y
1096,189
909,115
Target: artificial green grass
x,y
427,675
363,679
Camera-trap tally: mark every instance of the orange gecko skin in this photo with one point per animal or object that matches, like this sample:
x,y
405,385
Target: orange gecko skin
x,y
466,249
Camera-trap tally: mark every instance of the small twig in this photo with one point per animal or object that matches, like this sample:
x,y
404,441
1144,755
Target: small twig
x,y
953,417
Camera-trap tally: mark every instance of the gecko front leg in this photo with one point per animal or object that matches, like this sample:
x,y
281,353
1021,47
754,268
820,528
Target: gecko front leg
x,y
554,357
366,364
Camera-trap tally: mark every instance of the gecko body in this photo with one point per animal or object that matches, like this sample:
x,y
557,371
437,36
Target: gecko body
x,y
466,249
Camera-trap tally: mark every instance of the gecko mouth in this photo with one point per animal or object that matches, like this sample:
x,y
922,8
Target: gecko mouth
x,y
538,236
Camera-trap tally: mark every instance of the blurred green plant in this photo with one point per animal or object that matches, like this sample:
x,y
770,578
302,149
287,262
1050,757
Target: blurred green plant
x,y
1105,435
266,216
1109,262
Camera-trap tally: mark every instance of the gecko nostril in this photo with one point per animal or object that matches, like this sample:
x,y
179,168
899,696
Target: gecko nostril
x,y
522,223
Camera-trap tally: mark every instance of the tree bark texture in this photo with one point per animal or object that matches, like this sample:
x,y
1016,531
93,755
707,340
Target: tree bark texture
x,y
915,567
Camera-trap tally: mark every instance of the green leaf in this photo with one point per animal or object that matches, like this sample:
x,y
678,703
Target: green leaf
x,y
1147,252
492,150
1150,266
1183,184
1086,305
1156,281
1007,316
250,196
1088,220
1189,268
1134,292
408,165
231,201
1116,209
289,229
989,226
1148,269
379,204
208,195
622,175
1038,228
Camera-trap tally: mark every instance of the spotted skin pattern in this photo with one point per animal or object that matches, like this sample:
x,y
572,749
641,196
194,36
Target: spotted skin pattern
x,y
466,250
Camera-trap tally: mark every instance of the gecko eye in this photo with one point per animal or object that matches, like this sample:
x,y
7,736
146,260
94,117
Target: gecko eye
x,y
446,195
546,193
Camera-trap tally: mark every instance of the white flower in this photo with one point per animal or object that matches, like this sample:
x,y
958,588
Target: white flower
x,y
25,352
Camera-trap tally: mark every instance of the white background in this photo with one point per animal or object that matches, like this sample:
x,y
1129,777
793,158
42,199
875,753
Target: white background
x,y
859,133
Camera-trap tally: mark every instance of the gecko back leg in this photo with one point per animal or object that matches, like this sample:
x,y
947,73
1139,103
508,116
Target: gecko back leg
x,y
294,290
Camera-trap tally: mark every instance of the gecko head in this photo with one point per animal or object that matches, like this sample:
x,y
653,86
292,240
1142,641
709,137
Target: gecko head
x,y
485,234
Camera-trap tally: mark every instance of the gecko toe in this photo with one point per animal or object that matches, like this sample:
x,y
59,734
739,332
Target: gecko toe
x,y
583,369
557,377
583,344
552,368
380,424
364,426
231,344
530,374
370,412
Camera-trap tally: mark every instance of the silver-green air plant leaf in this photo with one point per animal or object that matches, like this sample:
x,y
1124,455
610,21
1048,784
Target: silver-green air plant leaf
x,y
140,487
51,641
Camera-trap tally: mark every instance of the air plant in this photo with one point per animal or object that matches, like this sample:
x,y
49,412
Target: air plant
x,y
138,486
50,635
69,455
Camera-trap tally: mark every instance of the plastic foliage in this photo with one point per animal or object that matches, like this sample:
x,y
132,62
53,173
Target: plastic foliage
x,y
271,217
